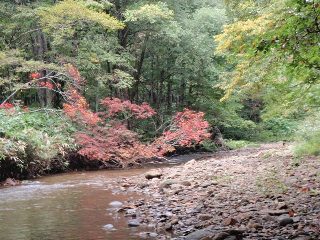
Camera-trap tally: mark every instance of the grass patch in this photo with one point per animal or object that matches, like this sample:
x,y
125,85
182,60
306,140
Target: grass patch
x,y
271,183
237,144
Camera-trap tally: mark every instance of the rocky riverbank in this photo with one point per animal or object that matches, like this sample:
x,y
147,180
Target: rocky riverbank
x,y
254,193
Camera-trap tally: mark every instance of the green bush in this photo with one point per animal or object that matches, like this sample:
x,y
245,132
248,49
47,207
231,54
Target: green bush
x,y
308,136
236,144
31,141
239,129
276,129
208,146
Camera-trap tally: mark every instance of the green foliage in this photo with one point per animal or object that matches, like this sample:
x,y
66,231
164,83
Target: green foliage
x,y
67,13
236,144
209,146
29,138
276,54
149,13
280,128
308,136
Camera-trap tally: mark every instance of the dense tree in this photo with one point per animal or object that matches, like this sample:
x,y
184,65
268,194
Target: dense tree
x,y
143,73
276,53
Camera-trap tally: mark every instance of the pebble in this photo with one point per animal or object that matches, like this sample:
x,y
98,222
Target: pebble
x,y
108,227
285,221
233,195
134,223
116,204
153,174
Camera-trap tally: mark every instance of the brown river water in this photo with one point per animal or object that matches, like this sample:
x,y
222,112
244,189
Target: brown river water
x,y
72,206
66,206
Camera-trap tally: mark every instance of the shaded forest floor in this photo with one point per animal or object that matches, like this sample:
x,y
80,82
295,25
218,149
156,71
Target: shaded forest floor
x,y
252,193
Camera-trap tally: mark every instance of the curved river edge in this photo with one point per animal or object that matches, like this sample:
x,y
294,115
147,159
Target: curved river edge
x,y
252,193
76,206
15,177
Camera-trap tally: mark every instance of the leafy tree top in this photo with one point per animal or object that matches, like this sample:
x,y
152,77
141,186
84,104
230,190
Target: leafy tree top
x,y
150,13
69,12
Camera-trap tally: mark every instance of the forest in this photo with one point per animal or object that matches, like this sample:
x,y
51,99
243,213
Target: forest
x,y
101,84
202,117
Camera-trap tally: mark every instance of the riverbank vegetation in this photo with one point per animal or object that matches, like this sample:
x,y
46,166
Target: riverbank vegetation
x,y
117,82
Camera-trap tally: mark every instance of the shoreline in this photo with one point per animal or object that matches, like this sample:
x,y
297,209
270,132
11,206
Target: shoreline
x,y
251,193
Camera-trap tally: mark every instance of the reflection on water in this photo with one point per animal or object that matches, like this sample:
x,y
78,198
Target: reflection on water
x,y
67,206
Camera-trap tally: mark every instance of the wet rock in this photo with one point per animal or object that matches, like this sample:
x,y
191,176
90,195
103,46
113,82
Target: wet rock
x,y
168,214
143,185
131,213
284,221
11,182
167,183
243,216
229,221
214,183
147,235
231,238
190,163
200,235
237,232
186,183
116,204
134,223
206,184
296,219
168,227
174,220
275,212
204,217
221,236
228,235
282,206
302,238
153,174
253,224
108,227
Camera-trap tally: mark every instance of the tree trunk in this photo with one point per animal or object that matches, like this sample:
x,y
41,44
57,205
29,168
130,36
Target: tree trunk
x,y
40,48
135,90
217,138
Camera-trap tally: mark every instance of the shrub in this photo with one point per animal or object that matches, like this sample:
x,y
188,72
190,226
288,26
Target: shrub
x,y
30,141
308,136
236,144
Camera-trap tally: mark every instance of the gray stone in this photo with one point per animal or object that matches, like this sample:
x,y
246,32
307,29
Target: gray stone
x,y
283,221
116,204
153,174
167,183
134,223
221,236
204,217
108,227
200,234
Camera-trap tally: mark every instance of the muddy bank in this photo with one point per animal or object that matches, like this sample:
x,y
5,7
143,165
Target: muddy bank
x,y
253,193
11,174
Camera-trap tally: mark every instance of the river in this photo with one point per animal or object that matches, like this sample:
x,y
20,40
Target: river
x,y
72,206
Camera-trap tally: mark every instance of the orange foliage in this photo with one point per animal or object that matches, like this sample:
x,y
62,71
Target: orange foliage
x,y
116,105
35,75
110,139
188,128
78,109
6,105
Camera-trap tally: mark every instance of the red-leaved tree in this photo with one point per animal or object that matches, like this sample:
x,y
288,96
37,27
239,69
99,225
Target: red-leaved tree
x,y
187,128
105,136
